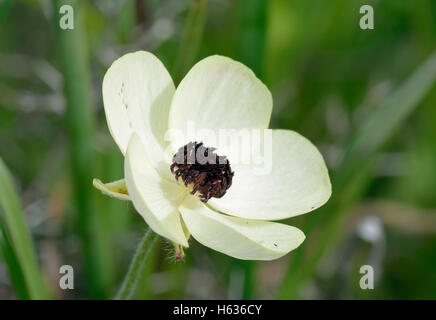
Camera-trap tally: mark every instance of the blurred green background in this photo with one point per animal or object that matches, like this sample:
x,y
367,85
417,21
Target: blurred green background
x,y
365,98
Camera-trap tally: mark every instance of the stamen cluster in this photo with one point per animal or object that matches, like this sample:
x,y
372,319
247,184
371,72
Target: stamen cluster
x,y
201,169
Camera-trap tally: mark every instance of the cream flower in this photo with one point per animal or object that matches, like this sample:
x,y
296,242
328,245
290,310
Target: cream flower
x,y
142,106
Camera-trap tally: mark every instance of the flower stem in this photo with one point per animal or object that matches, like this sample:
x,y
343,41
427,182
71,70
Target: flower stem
x,y
130,282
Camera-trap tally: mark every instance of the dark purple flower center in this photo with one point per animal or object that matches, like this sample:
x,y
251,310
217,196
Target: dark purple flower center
x,y
201,169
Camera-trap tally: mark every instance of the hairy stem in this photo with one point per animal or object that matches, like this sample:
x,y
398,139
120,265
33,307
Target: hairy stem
x,y
137,265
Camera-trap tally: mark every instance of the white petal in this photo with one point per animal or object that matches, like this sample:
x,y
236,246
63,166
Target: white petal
x,y
137,94
116,189
298,182
218,93
156,199
236,237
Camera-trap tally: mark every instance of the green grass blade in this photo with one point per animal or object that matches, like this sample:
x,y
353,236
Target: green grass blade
x,y
4,7
17,231
252,35
15,272
354,171
79,118
388,117
191,38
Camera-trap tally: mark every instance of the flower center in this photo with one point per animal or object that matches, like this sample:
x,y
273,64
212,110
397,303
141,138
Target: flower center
x,y
202,170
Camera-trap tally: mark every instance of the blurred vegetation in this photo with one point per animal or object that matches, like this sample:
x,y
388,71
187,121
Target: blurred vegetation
x,y
366,98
